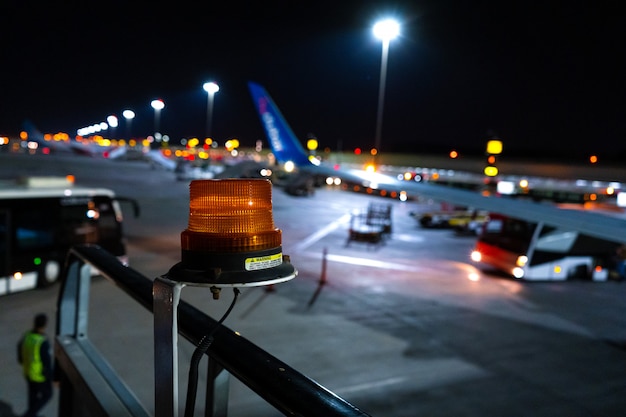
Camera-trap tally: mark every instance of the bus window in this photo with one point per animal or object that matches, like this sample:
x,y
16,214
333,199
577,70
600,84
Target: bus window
x,y
33,231
108,220
78,224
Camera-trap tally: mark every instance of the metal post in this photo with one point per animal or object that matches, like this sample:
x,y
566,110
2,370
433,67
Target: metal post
x,y
218,379
166,296
323,275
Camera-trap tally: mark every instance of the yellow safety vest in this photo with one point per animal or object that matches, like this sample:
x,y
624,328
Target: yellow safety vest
x,y
31,357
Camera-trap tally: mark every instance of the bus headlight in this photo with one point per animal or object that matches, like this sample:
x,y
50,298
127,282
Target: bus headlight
x,y
518,272
521,261
476,256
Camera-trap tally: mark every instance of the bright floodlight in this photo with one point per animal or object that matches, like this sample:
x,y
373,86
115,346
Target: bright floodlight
x,y
157,104
387,29
211,87
128,114
112,121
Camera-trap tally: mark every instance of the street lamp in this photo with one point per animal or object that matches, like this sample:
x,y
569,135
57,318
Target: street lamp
x,y
157,105
129,115
211,88
113,123
385,30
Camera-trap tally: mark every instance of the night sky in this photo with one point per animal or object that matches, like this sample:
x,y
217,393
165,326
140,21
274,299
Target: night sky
x,y
542,76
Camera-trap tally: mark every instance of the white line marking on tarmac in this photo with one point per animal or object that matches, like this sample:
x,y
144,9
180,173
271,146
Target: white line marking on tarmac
x,y
370,385
371,262
322,232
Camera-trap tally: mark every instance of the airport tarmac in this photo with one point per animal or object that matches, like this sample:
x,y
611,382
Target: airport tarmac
x,y
406,328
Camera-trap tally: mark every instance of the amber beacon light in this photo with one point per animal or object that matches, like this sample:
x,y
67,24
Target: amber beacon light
x,y
231,239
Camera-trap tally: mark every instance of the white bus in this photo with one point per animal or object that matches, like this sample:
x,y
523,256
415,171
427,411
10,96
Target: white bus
x,y
41,218
536,251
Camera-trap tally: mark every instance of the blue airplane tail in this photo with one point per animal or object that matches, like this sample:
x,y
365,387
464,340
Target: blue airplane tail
x,y
283,141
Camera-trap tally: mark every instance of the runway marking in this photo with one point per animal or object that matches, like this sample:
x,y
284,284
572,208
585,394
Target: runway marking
x,y
352,260
407,238
322,232
370,385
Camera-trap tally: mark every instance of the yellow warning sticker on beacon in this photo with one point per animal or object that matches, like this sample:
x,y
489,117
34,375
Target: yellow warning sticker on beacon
x,y
264,262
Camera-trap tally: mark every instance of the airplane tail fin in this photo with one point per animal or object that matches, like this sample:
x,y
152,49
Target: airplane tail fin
x,y
32,132
283,141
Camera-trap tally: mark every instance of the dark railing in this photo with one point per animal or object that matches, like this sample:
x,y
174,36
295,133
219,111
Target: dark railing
x,y
89,386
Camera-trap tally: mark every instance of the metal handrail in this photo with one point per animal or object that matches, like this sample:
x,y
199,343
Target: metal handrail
x,y
277,383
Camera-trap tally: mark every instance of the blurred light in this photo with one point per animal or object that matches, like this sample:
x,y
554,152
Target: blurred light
x,y
491,171
505,187
476,256
314,160
386,29
290,166
157,104
593,159
518,272
473,276
494,147
454,154
128,114
211,87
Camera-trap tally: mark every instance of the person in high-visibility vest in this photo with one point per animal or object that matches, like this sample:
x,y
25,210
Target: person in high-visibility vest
x,y
34,354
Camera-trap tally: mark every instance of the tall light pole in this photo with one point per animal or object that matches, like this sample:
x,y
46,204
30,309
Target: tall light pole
x,y
129,115
157,105
211,88
385,30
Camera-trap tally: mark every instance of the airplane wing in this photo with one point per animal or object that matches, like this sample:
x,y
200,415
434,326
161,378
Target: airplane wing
x,y
62,146
286,147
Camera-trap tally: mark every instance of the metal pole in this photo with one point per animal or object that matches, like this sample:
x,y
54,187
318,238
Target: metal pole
x,y
323,275
218,381
166,295
209,116
381,94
